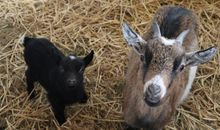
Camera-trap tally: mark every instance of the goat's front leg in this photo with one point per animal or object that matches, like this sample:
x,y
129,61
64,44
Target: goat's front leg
x,y
30,78
58,110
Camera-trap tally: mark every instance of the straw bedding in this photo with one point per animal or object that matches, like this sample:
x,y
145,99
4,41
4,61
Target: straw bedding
x,y
78,26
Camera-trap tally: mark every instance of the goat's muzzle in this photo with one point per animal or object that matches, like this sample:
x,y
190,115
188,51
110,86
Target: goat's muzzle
x,y
71,83
153,95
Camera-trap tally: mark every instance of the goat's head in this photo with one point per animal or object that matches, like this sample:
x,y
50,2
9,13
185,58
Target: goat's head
x,y
162,60
72,69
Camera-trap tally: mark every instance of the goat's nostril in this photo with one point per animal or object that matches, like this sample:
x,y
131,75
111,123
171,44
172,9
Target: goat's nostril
x,y
157,89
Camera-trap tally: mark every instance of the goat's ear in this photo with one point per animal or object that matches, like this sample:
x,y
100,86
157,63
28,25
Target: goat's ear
x,y
87,59
133,39
200,57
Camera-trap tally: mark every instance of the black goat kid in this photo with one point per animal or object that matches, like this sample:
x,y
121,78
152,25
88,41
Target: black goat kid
x,y
60,75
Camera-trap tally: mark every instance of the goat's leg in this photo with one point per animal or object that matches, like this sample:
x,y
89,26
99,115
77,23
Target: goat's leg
x,y
30,83
58,110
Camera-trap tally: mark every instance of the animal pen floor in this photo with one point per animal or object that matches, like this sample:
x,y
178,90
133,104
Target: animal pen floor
x,y
78,26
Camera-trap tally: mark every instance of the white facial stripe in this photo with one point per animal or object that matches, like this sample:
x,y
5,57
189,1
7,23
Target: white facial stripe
x,y
72,57
157,80
167,41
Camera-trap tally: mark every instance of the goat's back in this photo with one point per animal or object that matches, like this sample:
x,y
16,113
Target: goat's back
x,y
173,20
40,53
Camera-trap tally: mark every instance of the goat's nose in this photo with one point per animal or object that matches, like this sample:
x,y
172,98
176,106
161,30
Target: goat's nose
x,y
152,95
71,81
154,89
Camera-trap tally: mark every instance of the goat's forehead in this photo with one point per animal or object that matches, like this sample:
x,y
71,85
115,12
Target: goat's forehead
x,y
72,61
163,55
161,50
72,57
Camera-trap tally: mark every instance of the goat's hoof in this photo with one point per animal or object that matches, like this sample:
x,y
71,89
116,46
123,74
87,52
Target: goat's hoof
x,y
61,122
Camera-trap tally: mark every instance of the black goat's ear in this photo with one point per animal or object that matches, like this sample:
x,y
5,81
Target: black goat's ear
x,y
87,59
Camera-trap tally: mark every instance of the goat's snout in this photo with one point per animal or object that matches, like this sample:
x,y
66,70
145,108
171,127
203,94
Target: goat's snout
x,y
152,95
154,89
71,82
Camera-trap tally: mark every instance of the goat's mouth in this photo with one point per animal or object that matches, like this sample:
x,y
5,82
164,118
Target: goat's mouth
x,y
152,102
71,86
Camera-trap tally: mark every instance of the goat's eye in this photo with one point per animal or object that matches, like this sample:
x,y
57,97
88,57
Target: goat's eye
x,y
155,61
181,67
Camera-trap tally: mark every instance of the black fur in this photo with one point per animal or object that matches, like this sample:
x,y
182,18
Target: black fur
x,y
172,21
177,63
61,76
146,59
148,55
176,68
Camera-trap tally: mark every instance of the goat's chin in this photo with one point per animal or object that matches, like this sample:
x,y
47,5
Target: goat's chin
x,y
71,86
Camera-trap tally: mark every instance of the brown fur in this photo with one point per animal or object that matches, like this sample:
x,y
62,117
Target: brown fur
x,y
136,112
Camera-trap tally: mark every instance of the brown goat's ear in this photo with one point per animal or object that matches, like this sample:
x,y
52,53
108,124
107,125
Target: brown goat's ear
x,y
133,39
200,57
88,58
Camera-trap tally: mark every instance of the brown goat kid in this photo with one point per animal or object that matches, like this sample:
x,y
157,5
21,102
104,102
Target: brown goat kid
x,y
161,67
